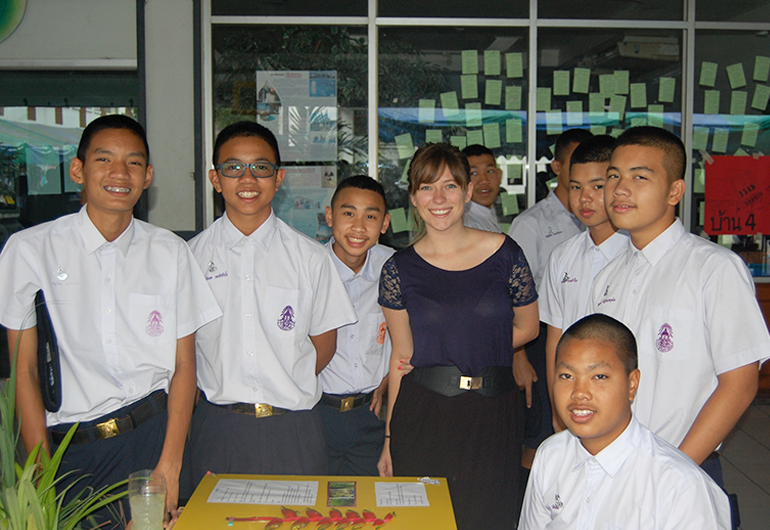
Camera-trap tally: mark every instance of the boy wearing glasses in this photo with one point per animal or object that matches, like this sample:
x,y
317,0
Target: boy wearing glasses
x,y
282,302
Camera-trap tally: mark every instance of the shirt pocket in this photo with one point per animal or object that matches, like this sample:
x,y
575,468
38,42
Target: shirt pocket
x,y
669,331
283,312
375,334
152,318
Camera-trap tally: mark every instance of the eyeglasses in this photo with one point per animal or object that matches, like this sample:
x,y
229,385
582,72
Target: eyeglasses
x,y
235,170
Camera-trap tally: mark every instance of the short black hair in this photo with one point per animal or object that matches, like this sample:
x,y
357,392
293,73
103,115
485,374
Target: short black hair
x,y
596,149
361,182
245,129
477,150
675,156
111,121
567,138
606,329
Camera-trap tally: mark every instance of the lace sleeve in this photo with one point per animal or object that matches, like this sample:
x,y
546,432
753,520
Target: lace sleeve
x,y
390,286
521,284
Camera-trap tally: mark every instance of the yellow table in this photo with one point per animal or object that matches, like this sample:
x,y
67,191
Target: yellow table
x,y
202,515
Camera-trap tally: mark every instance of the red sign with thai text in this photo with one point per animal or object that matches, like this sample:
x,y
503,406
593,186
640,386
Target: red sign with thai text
x,y
737,195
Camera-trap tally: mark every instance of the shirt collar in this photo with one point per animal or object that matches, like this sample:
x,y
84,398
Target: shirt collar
x,y
613,245
93,239
659,247
262,236
612,457
367,272
481,210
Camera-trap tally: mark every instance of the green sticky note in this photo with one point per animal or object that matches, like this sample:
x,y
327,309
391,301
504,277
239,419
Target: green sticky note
x,y
607,84
615,132
459,142
473,114
740,152
510,201
513,133
433,136
505,227
719,143
708,74
738,102
596,130
543,99
493,93
638,121
596,103
491,135
700,137
514,174
513,98
514,65
581,80
701,213
749,135
449,104
698,180
735,74
655,115
475,137
638,95
561,83
405,173
398,221
711,102
761,68
618,105
666,89
574,113
427,111
491,62
621,81
553,123
470,62
470,86
761,96
405,146
552,149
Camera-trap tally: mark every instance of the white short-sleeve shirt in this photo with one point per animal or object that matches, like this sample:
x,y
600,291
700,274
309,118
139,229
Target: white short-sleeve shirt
x,y
276,287
638,482
362,358
481,217
539,229
117,308
692,306
573,265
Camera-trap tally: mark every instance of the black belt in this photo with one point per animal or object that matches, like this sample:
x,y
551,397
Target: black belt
x,y
258,410
116,423
449,381
345,403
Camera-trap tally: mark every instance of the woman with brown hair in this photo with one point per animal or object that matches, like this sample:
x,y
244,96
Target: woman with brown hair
x,y
457,302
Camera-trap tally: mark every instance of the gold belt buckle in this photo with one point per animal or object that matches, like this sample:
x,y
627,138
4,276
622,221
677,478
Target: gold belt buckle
x,y
347,404
262,410
108,429
470,383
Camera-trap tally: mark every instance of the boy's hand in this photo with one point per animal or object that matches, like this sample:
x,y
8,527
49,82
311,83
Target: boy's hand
x,y
378,397
524,374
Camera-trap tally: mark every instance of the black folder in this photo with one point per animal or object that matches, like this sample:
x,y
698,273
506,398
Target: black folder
x,y
48,367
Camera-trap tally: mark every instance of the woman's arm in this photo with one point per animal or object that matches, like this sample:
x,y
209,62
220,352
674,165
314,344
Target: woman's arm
x,y
526,324
403,347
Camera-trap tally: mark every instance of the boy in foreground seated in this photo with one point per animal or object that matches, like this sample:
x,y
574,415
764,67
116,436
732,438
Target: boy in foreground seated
x,y
608,470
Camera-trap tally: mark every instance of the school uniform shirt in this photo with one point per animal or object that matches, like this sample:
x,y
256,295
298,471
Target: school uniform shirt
x,y
362,358
692,307
117,307
539,229
276,287
479,216
637,482
572,267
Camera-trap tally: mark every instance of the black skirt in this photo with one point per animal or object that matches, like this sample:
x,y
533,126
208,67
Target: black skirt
x,y
473,441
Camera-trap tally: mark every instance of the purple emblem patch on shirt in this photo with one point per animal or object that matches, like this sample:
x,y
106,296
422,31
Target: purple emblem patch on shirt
x,y
154,324
665,341
286,320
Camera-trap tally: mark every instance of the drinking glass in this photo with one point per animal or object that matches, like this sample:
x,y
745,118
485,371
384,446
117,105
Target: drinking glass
x,y
147,496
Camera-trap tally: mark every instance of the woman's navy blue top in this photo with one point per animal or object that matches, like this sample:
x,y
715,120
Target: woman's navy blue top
x,y
462,318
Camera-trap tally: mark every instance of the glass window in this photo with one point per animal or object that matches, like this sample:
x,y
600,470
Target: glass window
x,y
735,11
289,7
612,9
731,130
460,85
308,84
439,8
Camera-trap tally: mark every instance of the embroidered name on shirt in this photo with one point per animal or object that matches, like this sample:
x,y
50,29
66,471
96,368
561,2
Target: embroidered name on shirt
x,y
665,341
552,233
220,275
286,320
154,324
558,505
606,300
567,279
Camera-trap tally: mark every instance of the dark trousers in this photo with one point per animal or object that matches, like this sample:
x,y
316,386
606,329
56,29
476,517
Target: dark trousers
x,y
354,440
539,422
713,468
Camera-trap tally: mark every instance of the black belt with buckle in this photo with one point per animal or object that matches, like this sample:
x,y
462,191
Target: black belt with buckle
x,y
119,422
258,410
344,403
449,381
